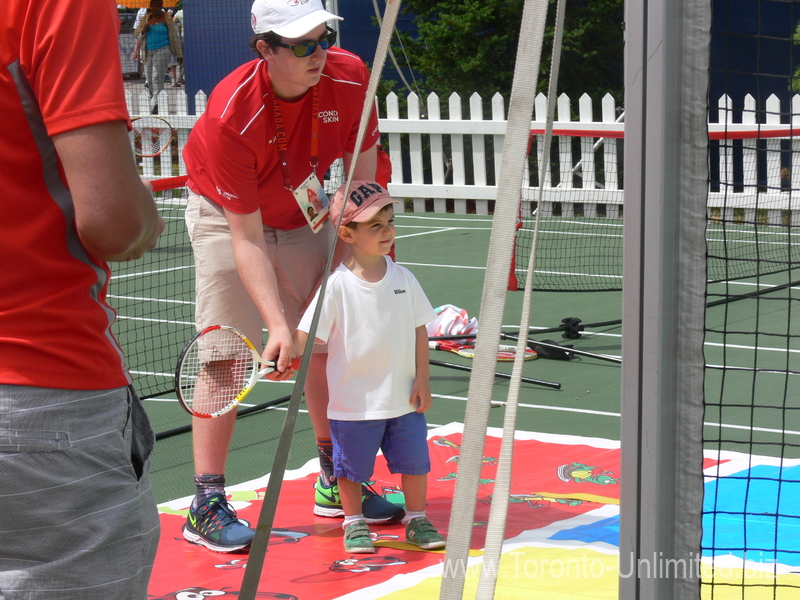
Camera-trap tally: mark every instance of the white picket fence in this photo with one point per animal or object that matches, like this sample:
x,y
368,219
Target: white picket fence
x,y
451,164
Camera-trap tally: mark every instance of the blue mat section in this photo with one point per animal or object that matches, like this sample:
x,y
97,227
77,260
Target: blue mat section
x,y
757,508
606,531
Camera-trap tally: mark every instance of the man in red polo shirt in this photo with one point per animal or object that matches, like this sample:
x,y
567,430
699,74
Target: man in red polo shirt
x,y
79,517
255,159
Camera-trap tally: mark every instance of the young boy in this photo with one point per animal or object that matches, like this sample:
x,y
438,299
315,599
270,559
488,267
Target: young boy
x,y
373,319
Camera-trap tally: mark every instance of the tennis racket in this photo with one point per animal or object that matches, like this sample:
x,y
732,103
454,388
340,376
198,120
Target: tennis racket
x,y
150,135
504,353
218,367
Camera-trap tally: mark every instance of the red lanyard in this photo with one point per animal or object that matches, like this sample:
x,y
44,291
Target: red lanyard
x,y
283,144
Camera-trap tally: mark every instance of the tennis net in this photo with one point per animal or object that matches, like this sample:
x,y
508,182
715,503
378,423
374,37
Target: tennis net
x,y
154,300
750,521
752,216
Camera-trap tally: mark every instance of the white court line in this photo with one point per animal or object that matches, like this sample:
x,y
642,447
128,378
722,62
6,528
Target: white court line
x,y
754,284
159,271
618,415
442,227
742,347
142,299
447,218
580,233
433,230
146,320
574,274
439,266
483,268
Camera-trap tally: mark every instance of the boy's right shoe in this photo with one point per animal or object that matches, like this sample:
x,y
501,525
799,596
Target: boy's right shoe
x,y
376,509
357,539
214,524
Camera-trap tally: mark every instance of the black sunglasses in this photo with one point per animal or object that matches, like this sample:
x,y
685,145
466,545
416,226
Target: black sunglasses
x,y
308,48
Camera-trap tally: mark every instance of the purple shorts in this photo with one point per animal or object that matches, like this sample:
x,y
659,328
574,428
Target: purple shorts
x,y
404,441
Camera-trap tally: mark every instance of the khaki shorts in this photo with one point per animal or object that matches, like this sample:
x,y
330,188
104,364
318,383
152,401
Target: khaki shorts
x,y
298,256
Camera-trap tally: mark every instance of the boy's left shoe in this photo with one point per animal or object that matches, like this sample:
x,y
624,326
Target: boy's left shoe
x,y
376,508
421,532
357,538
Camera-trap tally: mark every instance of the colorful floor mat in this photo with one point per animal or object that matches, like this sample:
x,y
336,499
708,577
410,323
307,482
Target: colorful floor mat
x,y
561,536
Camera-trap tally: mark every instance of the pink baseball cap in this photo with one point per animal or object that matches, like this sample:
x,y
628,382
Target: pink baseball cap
x,y
364,201
289,18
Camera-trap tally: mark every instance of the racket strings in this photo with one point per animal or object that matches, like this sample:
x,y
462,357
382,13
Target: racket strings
x,y
216,369
151,136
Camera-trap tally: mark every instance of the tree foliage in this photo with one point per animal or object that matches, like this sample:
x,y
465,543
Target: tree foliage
x,y
794,81
468,46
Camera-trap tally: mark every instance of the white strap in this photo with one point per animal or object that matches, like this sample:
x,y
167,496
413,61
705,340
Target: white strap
x,y
498,513
523,92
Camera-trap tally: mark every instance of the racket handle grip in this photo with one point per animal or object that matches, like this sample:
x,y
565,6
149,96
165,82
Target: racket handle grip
x,y
168,183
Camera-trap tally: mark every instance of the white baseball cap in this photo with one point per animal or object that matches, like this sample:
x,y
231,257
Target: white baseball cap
x,y
289,18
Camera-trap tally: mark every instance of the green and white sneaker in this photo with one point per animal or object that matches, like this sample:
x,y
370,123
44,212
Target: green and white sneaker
x,y
376,509
357,539
214,524
422,533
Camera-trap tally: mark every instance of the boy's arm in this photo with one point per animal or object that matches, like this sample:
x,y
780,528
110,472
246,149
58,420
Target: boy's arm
x,y
300,339
421,390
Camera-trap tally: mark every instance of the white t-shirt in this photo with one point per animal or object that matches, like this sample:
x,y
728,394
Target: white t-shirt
x,y
370,329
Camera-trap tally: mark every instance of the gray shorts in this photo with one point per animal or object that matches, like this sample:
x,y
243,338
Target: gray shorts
x,y
298,256
79,516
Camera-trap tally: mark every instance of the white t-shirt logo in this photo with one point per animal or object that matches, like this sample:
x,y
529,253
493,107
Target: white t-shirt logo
x,y
329,116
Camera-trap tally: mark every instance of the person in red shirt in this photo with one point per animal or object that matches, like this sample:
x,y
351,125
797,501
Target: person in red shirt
x,y
270,131
80,518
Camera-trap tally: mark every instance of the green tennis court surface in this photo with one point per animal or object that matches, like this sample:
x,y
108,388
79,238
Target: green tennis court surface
x,y
448,253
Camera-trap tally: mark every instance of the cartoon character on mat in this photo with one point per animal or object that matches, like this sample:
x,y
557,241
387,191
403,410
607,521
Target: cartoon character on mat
x,y
539,501
535,500
453,476
233,565
198,593
369,563
487,460
581,473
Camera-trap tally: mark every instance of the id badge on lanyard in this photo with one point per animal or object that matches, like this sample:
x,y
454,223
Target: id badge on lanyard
x,y
310,195
313,201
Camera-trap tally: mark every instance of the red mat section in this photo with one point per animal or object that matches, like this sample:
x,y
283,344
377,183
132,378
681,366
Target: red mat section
x,y
306,559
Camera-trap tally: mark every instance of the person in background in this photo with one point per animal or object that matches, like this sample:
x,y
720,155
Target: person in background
x,y
251,159
177,74
79,515
156,42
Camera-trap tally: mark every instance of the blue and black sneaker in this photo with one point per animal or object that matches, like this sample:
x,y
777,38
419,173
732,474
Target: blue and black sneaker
x,y
376,508
214,524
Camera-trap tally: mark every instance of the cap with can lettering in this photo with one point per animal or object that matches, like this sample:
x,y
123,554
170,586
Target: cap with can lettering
x,y
289,18
364,201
